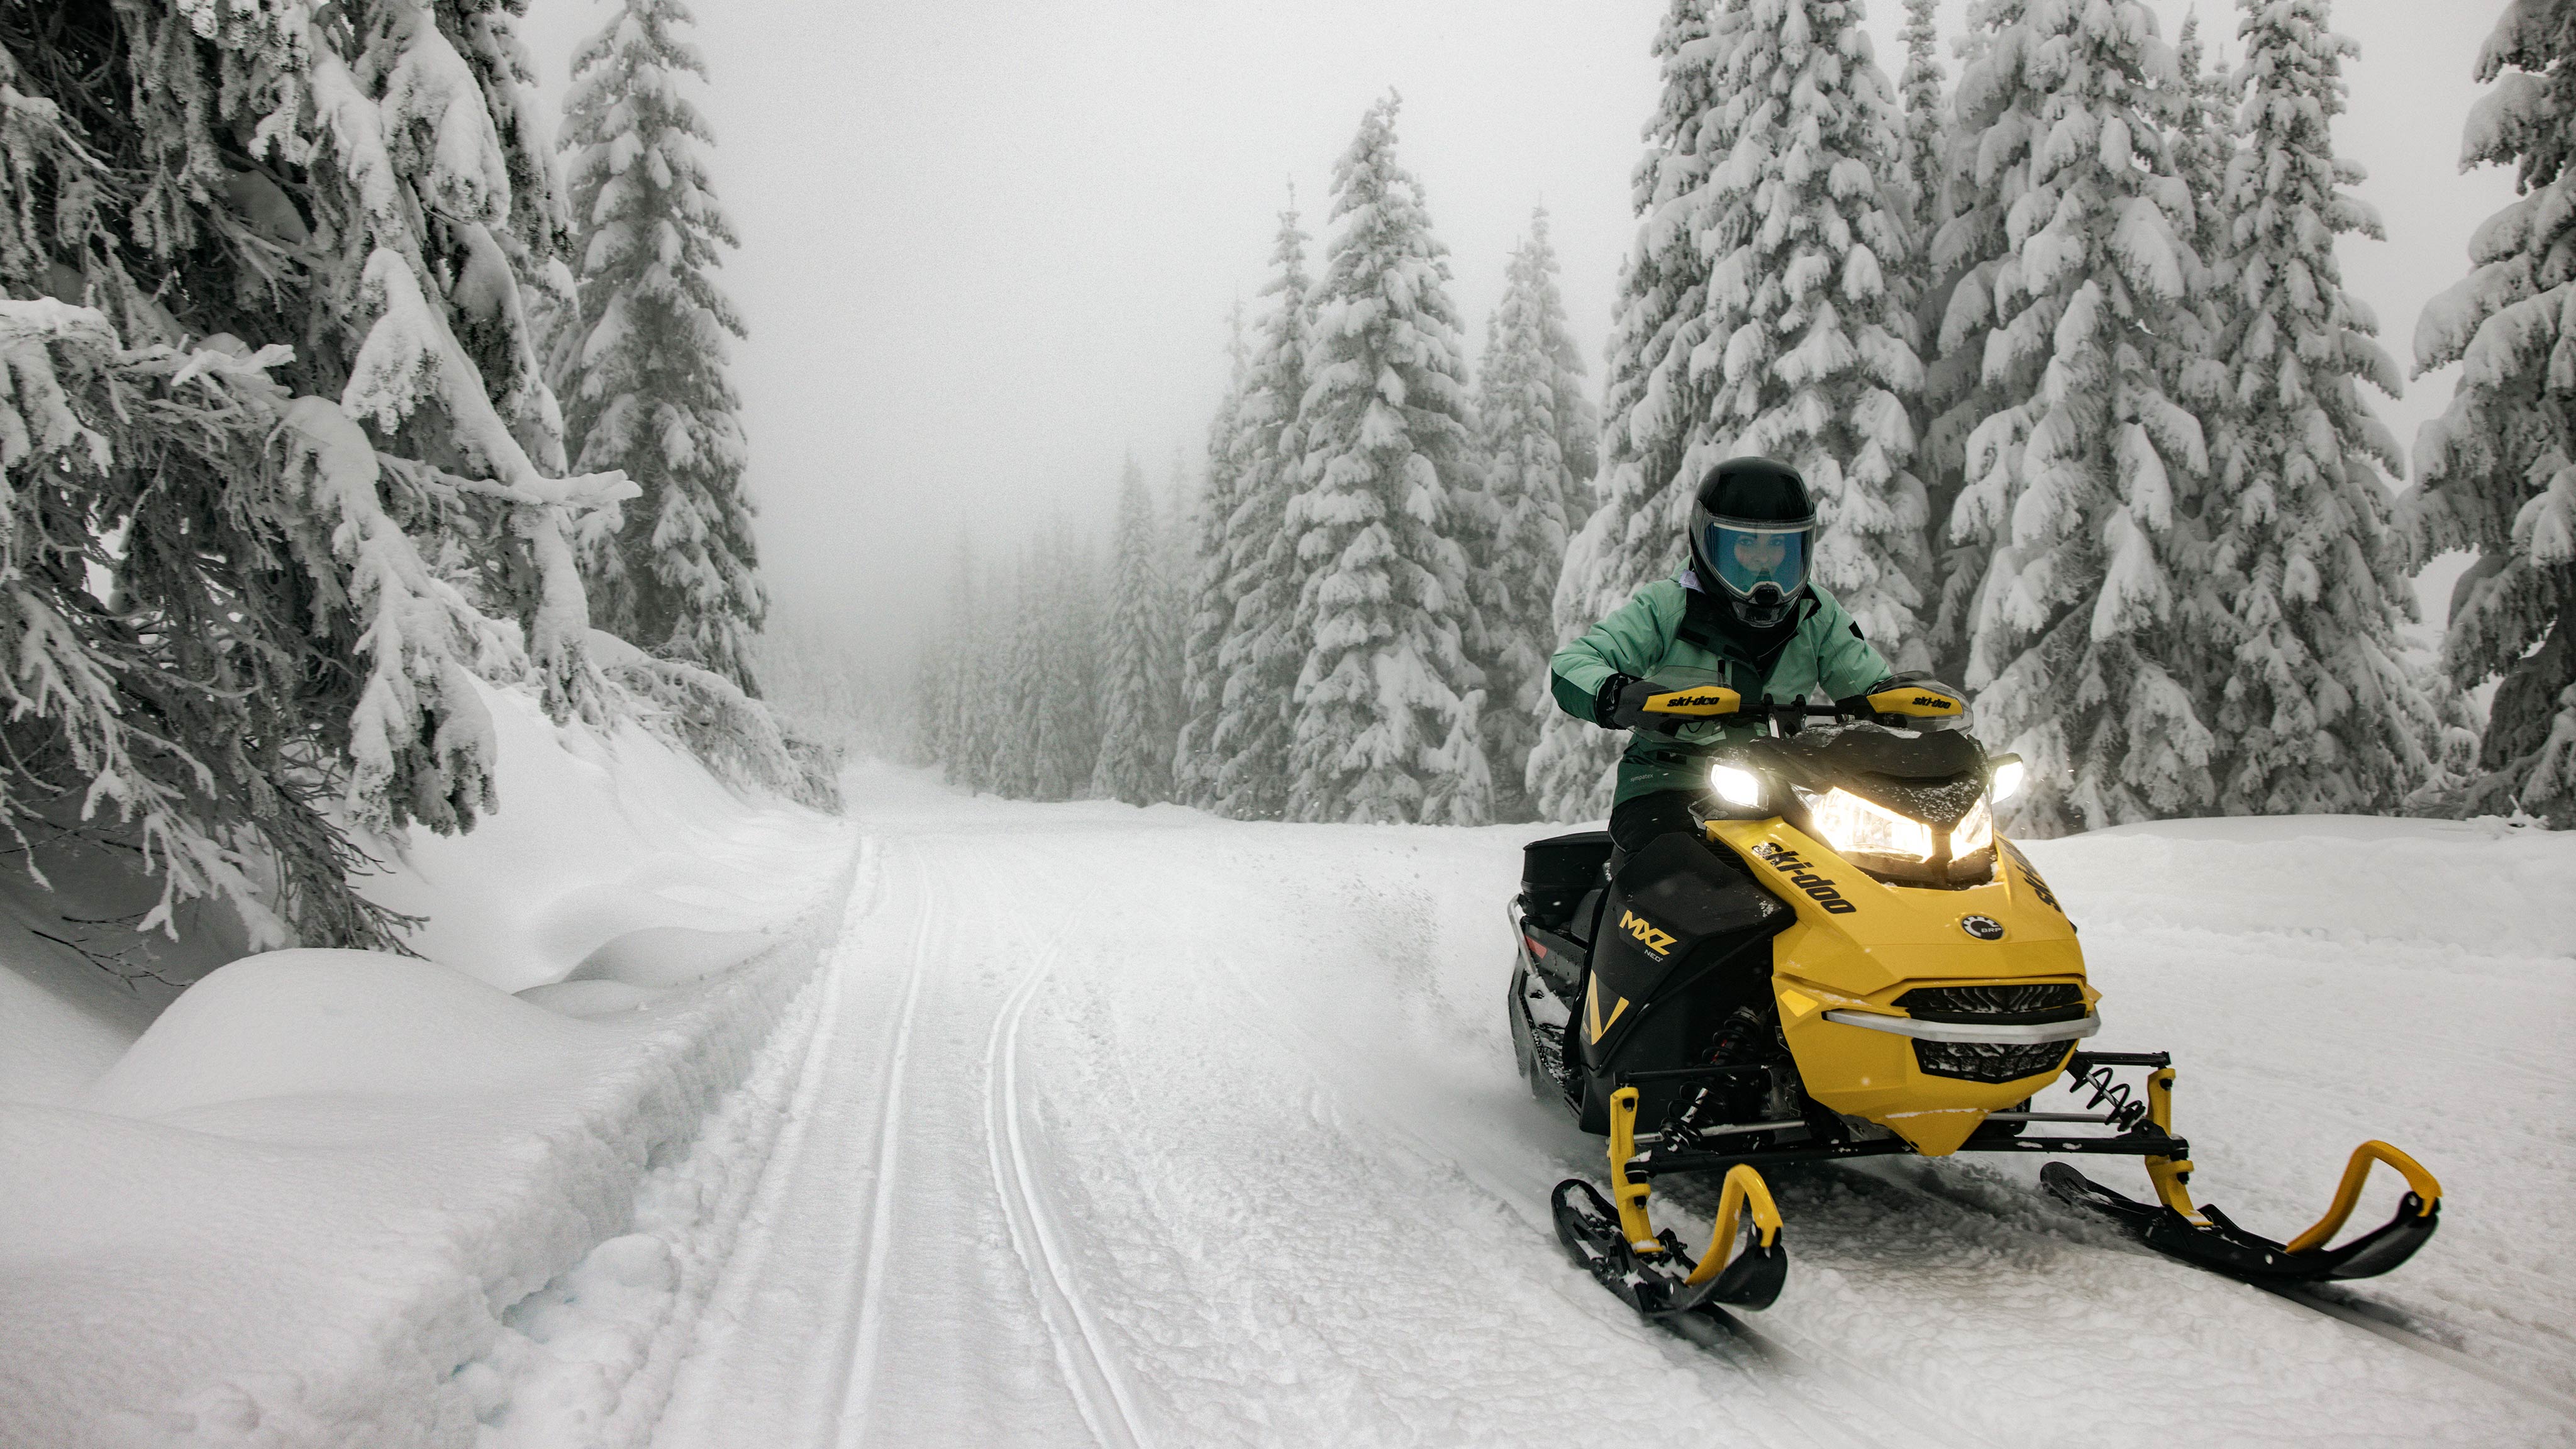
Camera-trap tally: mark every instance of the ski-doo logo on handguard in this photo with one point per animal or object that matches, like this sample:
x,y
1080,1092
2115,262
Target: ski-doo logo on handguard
x,y
1819,888
1657,941
1693,701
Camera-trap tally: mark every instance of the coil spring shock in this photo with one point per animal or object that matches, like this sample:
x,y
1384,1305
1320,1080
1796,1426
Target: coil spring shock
x,y
2126,1107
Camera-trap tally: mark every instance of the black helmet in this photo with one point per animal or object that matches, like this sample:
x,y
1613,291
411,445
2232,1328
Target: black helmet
x,y
1752,538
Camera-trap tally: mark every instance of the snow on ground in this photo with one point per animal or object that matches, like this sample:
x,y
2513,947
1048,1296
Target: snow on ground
x,y
1131,1126
321,1199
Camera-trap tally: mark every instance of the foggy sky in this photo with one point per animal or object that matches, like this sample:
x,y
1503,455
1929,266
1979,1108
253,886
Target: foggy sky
x,y
989,248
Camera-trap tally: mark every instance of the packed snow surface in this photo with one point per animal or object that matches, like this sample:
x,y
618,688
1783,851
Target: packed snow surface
x,y
1098,1124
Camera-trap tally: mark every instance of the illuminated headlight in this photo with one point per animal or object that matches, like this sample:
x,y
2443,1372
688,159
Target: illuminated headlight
x,y
1975,832
2008,778
1851,824
1736,786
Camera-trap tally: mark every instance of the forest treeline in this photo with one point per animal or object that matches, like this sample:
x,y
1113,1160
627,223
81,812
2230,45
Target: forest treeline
x,y
2062,347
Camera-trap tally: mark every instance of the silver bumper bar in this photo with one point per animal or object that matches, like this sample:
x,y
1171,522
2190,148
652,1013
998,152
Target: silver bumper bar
x,y
1969,1031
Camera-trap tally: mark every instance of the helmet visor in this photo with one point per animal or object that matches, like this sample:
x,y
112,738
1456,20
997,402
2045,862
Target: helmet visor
x,y
1749,555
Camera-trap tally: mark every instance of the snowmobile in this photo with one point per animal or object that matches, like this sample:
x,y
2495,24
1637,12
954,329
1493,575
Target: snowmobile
x,y
1853,963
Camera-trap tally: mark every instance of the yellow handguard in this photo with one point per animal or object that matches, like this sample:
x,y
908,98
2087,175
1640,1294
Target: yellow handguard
x,y
2348,1192
1700,701
1918,701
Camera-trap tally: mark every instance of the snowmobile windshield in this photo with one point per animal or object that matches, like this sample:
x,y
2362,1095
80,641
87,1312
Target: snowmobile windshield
x,y
1748,555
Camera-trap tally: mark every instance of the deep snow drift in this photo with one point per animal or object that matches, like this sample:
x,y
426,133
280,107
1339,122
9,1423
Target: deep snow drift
x,y
307,1205
1132,1126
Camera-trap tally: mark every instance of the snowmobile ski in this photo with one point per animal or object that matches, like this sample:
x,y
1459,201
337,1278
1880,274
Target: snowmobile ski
x,y
1649,1269
2208,1238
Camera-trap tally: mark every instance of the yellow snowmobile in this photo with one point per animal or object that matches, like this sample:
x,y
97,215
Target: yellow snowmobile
x,y
1855,964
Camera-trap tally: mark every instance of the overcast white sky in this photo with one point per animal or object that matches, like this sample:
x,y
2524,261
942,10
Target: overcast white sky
x,y
989,245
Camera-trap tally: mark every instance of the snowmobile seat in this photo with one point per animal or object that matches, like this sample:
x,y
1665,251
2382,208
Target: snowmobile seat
x,y
1557,872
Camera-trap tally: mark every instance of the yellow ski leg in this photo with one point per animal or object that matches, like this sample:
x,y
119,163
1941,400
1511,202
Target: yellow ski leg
x,y
2170,1175
1629,1197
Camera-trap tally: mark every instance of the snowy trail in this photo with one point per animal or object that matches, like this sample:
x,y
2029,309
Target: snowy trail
x,y
1138,1128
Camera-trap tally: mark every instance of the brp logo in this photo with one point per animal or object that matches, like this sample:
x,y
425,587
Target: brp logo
x,y
1984,928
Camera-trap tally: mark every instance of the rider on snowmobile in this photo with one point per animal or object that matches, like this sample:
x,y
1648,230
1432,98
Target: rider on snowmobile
x,y
1743,614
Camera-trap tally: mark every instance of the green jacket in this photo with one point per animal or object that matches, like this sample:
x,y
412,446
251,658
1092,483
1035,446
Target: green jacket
x,y
1670,634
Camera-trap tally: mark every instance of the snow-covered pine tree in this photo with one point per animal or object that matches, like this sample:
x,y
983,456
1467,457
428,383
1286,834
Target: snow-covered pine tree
x,y
941,676
273,399
1387,702
1928,162
1065,622
2077,296
1652,407
1135,754
1264,644
2318,711
1174,562
2205,143
645,374
1208,609
2496,473
1541,437
1806,348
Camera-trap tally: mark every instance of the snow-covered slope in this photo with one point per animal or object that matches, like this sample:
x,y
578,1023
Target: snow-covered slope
x,y
317,1200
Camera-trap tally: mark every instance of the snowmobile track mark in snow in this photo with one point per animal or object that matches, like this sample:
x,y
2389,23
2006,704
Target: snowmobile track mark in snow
x,y
1090,1373
860,1370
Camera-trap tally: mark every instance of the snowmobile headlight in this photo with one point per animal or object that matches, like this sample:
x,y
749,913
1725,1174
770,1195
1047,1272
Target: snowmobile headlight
x,y
2007,778
1853,825
1736,785
1975,831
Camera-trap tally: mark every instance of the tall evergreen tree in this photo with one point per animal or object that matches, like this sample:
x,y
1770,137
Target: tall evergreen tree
x,y
1651,409
1135,755
1540,440
1208,610
645,374
2497,471
1926,140
1064,627
1387,701
1807,348
2077,294
2318,710
2204,142
1265,644
264,324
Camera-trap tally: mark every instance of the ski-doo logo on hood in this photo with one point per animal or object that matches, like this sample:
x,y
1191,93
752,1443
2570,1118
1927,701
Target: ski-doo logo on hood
x,y
1819,888
1658,941
1984,928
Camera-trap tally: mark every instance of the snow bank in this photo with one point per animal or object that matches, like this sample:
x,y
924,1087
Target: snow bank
x,y
313,1202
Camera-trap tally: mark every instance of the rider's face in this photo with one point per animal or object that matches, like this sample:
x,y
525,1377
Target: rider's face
x,y
1759,553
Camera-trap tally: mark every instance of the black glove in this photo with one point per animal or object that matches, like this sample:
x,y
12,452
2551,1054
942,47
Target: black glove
x,y
1621,705
1856,706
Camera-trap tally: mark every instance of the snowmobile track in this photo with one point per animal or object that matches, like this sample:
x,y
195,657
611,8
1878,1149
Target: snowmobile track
x,y
1090,1372
2389,1324
869,1329
2046,1215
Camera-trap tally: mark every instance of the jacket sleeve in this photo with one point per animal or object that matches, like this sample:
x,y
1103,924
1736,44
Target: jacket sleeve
x,y
1631,641
1846,663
